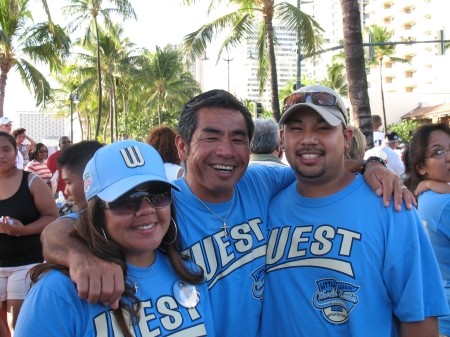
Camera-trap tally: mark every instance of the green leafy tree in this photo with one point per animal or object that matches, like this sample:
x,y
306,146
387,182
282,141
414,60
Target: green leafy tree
x,y
89,11
23,43
165,82
382,34
336,79
254,20
404,129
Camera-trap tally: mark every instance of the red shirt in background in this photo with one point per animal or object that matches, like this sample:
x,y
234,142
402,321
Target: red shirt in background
x,y
51,164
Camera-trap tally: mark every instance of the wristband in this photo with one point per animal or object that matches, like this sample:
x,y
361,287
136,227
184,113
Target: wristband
x,y
369,160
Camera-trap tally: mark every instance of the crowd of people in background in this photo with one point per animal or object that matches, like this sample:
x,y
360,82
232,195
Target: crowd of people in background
x,y
230,226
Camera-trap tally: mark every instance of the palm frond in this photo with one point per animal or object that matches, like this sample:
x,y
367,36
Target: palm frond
x,y
35,82
297,21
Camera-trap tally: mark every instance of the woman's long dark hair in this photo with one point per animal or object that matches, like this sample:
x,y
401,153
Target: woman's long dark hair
x,y
88,229
417,151
418,147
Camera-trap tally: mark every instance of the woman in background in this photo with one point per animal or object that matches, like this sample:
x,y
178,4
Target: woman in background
x,y
38,164
26,208
20,135
429,162
162,138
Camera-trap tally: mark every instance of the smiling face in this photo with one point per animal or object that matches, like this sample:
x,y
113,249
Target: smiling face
x,y
436,168
138,234
42,154
315,150
218,154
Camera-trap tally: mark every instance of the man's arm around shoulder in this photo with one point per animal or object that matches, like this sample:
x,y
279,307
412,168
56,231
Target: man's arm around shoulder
x,y
96,279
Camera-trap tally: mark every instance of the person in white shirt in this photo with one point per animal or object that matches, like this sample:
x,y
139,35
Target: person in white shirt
x,y
394,163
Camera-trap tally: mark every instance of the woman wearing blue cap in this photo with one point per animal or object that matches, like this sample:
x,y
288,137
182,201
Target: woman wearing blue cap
x,y
129,220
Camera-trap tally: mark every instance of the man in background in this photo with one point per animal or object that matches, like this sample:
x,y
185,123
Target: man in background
x,y
394,161
64,143
378,134
72,163
5,124
265,145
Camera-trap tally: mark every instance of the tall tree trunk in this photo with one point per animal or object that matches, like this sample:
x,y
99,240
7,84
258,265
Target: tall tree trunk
x,y
81,125
124,107
99,78
111,115
105,128
5,67
89,130
356,73
382,96
272,62
115,109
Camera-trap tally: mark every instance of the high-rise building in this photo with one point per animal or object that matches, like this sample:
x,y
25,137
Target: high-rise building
x,y
247,87
328,15
40,125
423,80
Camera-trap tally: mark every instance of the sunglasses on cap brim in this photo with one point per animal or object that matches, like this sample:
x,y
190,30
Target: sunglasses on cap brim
x,y
317,98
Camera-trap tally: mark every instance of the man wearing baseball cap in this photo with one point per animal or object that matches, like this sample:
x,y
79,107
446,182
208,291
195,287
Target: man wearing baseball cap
x,y
394,162
338,262
5,124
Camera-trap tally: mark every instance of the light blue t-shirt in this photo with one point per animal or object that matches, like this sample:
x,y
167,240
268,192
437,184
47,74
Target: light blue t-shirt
x,y
344,265
233,264
53,308
434,209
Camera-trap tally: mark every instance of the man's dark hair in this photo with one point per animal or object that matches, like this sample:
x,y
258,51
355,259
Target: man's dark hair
x,y
75,157
216,98
61,138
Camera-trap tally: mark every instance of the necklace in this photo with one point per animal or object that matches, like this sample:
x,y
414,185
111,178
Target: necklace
x,y
224,226
139,279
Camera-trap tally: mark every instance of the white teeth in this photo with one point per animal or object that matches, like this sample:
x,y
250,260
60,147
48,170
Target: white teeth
x,y
223,167
310,156
145,227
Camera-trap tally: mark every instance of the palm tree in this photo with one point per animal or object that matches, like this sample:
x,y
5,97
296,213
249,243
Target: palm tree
x,y
254,20
22,44
166,82
382,34
336,79
355,68
90,10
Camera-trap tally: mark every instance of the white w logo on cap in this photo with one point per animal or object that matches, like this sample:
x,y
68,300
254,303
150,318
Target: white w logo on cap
x,y
132,156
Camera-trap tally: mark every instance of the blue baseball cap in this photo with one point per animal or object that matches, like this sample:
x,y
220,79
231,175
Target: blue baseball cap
x,y
117,168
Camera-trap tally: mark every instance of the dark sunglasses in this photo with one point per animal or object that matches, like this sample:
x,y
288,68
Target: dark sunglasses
x,y
131,203
317,98
43,151
66,142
